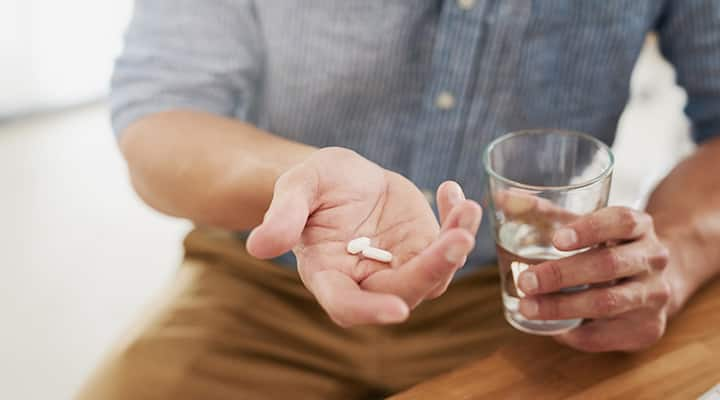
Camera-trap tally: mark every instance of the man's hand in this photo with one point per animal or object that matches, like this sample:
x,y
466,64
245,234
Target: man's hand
x,y
628,299
337,195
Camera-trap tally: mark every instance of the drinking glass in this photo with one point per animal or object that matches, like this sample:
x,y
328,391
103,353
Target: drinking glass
x,y
539,181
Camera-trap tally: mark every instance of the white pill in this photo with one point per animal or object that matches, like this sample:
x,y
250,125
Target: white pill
x,y
517,268
357,245
377,254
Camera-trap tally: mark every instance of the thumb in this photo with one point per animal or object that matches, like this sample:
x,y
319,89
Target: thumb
x,y
287,215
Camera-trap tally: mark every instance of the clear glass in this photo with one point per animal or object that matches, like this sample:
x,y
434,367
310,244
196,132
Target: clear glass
x,y
538,181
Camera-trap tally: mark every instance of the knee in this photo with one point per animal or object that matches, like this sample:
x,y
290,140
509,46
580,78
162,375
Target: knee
x,y
136,372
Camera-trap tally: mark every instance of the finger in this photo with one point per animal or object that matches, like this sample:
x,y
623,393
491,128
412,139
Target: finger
x,y
611,223
442,287
418,277
593,303
285,219
449,194
631,332
467,215
594,266
348,305
514,203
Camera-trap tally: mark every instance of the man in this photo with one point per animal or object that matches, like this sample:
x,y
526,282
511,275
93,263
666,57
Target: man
x,y
315,122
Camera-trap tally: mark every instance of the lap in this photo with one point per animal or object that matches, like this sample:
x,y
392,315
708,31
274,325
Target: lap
x,y
234,327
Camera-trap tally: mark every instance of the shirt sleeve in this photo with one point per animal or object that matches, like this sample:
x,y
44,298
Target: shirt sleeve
x,y
187,54
690,39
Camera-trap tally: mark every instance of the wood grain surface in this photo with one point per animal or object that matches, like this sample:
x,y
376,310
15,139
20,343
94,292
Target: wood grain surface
x,y
683,365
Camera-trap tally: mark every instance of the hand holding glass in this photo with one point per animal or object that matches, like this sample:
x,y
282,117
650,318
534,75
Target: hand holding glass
x,y
539,181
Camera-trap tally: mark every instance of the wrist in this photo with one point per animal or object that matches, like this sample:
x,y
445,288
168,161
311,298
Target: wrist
x,y
681,280
250,181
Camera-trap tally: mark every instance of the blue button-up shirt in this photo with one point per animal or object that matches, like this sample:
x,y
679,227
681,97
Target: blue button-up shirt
x,y
419,86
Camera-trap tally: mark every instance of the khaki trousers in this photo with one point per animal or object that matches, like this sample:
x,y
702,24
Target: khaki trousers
x,y
234,327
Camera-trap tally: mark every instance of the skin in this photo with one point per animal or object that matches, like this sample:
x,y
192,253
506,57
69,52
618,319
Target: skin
x,y
204,174
655,259
310,201
235,176
316,210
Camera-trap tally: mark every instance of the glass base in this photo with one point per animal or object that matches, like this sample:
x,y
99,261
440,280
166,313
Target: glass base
x,y
532,326
538,327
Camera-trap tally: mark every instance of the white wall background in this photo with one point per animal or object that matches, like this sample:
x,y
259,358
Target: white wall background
x,y
57,53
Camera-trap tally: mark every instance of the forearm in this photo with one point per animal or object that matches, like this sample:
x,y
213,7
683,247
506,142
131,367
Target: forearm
x,y
209,169
686,209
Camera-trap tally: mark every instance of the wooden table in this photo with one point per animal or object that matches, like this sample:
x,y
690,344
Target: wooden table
x,y
683,365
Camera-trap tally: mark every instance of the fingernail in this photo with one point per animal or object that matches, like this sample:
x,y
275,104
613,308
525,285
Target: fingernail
x,y
467,222
455,196
455,254
565,237
529,282
530,308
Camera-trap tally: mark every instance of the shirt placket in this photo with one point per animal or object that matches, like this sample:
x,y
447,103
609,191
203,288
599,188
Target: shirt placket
x,y
448,90
496,74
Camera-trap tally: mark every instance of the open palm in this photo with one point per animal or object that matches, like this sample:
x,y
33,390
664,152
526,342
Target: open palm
x,y
336,196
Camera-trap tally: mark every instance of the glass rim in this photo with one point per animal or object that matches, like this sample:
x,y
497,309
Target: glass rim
x,y
589,182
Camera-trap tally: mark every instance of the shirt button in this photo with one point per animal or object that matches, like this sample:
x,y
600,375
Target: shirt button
x,y
466,4
445,101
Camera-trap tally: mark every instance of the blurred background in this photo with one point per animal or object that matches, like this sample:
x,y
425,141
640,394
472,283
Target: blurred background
x,y
80,254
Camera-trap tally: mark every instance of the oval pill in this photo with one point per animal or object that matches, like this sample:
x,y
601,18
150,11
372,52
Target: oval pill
x,y
377,254
357,245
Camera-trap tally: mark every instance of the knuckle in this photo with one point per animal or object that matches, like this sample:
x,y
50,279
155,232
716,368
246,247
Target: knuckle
x,y
661,296
628,220
659,258
593,226
611,263
553,278
606,302
641,297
